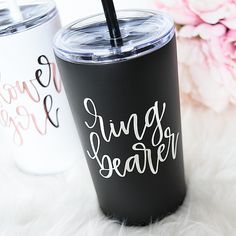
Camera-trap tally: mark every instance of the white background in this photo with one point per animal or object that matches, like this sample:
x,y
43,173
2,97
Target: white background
x,y
71,10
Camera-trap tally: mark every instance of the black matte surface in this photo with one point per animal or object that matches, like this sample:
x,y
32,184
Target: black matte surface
x,y
119,90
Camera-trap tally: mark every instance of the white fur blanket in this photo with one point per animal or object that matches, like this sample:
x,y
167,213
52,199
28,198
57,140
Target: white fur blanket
x,y
65,205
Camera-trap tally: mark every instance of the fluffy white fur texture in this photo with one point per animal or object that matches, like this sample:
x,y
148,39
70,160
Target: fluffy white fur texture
x,y
65,205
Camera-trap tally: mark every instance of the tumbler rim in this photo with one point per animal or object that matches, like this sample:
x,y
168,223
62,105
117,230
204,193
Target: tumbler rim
x,y
45,10
108,54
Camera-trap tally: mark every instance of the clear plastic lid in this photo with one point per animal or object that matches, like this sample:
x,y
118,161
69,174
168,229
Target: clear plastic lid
x,y
34,13
88,40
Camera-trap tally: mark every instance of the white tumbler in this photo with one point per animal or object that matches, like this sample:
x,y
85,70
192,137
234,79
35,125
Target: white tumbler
x,y
34,110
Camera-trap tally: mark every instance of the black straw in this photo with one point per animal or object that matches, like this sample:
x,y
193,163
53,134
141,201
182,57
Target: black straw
x,y
112,23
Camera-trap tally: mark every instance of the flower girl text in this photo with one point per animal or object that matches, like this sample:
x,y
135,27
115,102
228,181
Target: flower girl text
x,y
164,140
28,115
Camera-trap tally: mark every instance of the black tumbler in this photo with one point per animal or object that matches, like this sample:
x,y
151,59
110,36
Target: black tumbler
x,y
125,102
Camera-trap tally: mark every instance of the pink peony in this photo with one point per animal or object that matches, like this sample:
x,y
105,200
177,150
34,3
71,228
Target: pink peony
x,y
180,11
194,12
207,50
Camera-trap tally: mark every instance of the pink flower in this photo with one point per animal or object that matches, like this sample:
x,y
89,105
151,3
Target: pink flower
x,y
180,11
215,11
230,18
208,69
230,45
195,64
193,12
210,11
204,31
206,49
